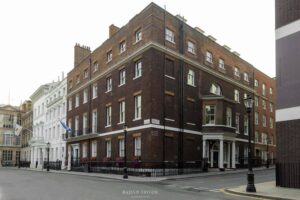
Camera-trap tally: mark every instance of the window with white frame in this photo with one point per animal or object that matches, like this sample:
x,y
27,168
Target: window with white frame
x,y
122,77
256,101
108,116
210,114
85,73
245,96
122,46
215,89
271,90
109,56
76,100
85,95
256,118
94,149
138,69
256,137
263,89
264,104
271,122
108,84
228,117
271,107
121,147
237,72
8,139
191,47
256,83
70,103
137,146
84,150
137,107
169,35
69,125
95,66
108,148
122,112
95,90
246,76
77,79
246,151
264,119
246,127
94,121
221,64
237,96
237,123
85,123
264,138
70,84
191,77
76,125
209,57
138,35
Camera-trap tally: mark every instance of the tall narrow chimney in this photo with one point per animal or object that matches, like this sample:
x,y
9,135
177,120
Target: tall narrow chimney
x,y
80,52
112,30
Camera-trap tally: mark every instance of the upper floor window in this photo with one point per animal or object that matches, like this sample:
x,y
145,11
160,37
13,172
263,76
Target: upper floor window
x,y
209,57
137,69
122,77
122,112
169,35
271,122
70,104
109,56
263,89
246,76
70,84
138,35
85,73
264,120
95,90
76,100
137,107
271,107
210,113
94,121
85,95
256,137
236,95
237,72
237,123
256,101
108,116
215,89
191,47
191,78
95,66
256,83
264,104
122,46
108,84
77,79
228,116
256,118
221,64
271,90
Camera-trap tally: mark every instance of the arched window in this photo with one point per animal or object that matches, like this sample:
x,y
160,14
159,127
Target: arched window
x,y
215,89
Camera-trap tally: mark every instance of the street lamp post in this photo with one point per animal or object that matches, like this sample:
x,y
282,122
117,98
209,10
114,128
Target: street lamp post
x,y
250,176
125,175
48,149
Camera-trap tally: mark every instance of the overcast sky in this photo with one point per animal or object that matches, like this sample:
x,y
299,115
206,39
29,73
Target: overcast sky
x,y
37,36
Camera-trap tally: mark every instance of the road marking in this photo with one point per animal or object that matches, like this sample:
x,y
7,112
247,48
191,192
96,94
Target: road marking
x,y
245,196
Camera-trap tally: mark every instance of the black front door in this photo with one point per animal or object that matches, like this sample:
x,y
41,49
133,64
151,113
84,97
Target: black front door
x,y
216,159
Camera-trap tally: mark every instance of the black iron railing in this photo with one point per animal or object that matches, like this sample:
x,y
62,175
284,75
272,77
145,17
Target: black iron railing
x,y
25,164
54,165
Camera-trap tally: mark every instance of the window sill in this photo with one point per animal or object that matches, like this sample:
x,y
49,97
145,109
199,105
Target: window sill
x,y
94,97
192,53
136,77
120,123
170,41
191,85
108,91
137,41
136,119
107,126
121,85
169,77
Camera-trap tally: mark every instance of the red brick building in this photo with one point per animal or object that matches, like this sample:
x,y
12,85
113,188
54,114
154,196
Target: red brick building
x,y
178,91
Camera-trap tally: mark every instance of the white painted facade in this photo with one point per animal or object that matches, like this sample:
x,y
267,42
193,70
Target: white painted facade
x,y
49,106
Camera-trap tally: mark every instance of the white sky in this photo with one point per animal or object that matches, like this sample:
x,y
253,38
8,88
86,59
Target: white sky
x,y
37,36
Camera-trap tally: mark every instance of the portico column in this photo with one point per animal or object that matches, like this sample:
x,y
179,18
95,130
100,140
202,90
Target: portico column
x,y
228,154
203,148
233,155
211,158
221,153
69,158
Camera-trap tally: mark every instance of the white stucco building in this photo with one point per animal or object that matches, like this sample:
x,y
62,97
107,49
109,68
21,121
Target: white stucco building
x,y
49,107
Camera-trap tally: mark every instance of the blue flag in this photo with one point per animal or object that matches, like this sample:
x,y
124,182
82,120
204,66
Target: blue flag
x,y
68,129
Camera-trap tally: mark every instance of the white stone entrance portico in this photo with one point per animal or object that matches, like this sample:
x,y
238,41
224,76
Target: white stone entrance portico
x,y
219,145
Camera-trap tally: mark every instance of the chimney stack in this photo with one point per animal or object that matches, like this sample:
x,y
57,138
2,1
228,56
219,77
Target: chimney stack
x,y
80,52
112,30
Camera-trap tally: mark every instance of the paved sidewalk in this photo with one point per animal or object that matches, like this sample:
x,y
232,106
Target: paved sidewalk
x,y
211,172
267,190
